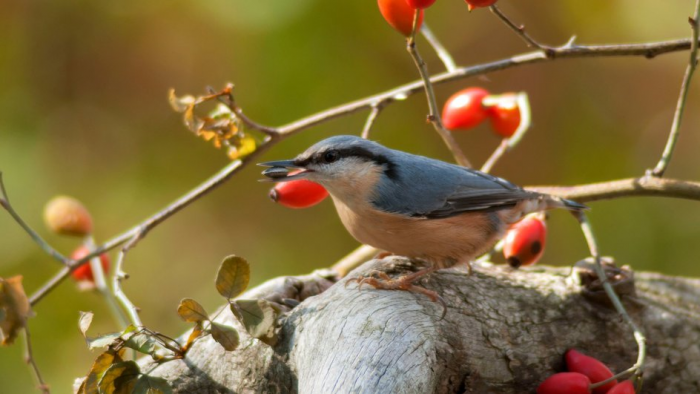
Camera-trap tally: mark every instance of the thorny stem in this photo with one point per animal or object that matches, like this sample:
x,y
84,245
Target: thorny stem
x,y
520,31
434,115
101,285
376,109
638,335
441,51
5,203
29,358
660,168
648,50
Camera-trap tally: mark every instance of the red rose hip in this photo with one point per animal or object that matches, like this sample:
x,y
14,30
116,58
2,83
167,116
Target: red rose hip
x,y
591,367
524,242
479,3
625,387
505,115
298,193
420,3
464,109
565,383
400,15
84,272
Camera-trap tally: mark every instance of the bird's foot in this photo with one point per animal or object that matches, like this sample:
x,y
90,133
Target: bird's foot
x,y
380,280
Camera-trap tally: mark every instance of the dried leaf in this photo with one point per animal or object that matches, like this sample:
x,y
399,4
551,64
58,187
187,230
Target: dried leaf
x,y
102,340
196,333
190,311
151,385
192,121
180,104
15,308
257,316
233,276
119,378
84,322
226,336
99,367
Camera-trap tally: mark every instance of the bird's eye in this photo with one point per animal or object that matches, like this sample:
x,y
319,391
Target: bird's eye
x,y
331,156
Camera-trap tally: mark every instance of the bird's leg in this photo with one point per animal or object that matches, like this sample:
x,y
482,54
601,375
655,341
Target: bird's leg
x,y
404,283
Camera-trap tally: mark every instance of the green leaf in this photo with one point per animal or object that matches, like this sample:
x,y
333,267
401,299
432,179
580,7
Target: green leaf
x,y
190,311
119,377
257,316
141,342
226,336
150,385
233,276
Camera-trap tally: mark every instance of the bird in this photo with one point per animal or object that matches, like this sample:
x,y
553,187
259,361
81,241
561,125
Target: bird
x,y
428,210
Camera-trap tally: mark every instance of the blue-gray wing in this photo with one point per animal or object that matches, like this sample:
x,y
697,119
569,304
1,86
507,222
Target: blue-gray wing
x,y
434,189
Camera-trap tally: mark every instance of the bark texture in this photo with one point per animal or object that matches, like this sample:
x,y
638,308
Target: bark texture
x,y
504,332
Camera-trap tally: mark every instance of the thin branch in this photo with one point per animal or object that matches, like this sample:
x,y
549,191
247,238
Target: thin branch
x,y
520,31
441,51
376,109
600,271
648,50
5,203
101,285
630,187
120,275
29,358
434,115
226,97
660,168
569,51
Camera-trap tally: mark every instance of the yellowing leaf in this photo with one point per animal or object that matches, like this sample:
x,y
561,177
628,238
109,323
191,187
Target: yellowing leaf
x,y
196,333
190,311
180,104
243,148
233,276
15,309
99,367
225,336
119,377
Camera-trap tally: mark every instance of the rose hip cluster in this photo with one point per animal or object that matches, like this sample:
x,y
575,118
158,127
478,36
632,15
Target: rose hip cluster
x,y
583,371
68,216
400,13
468,108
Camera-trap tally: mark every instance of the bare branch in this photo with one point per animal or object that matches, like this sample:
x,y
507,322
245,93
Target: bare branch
x,y
441,51
376,109
630,187
682,98
520,31
29,358
434,115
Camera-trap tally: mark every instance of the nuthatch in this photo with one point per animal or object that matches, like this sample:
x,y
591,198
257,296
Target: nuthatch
x,y
413,206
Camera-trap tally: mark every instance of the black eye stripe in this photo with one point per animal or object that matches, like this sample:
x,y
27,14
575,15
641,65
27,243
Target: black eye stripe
x,y
357,152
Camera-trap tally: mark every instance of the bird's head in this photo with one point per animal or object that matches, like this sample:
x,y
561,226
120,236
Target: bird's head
x,y
338,163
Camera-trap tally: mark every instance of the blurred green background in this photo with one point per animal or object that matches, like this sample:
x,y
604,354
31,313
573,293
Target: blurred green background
x,y
83,112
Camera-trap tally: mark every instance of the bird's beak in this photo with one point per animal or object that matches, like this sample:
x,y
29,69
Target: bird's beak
x,y
279,171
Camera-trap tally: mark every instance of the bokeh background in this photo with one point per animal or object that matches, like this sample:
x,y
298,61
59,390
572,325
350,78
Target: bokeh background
x,y
83,112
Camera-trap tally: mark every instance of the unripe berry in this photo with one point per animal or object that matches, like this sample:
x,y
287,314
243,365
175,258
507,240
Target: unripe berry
x,y
299,193
66,215
591,367
565,383
400,15
84,272
524,242
464,109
